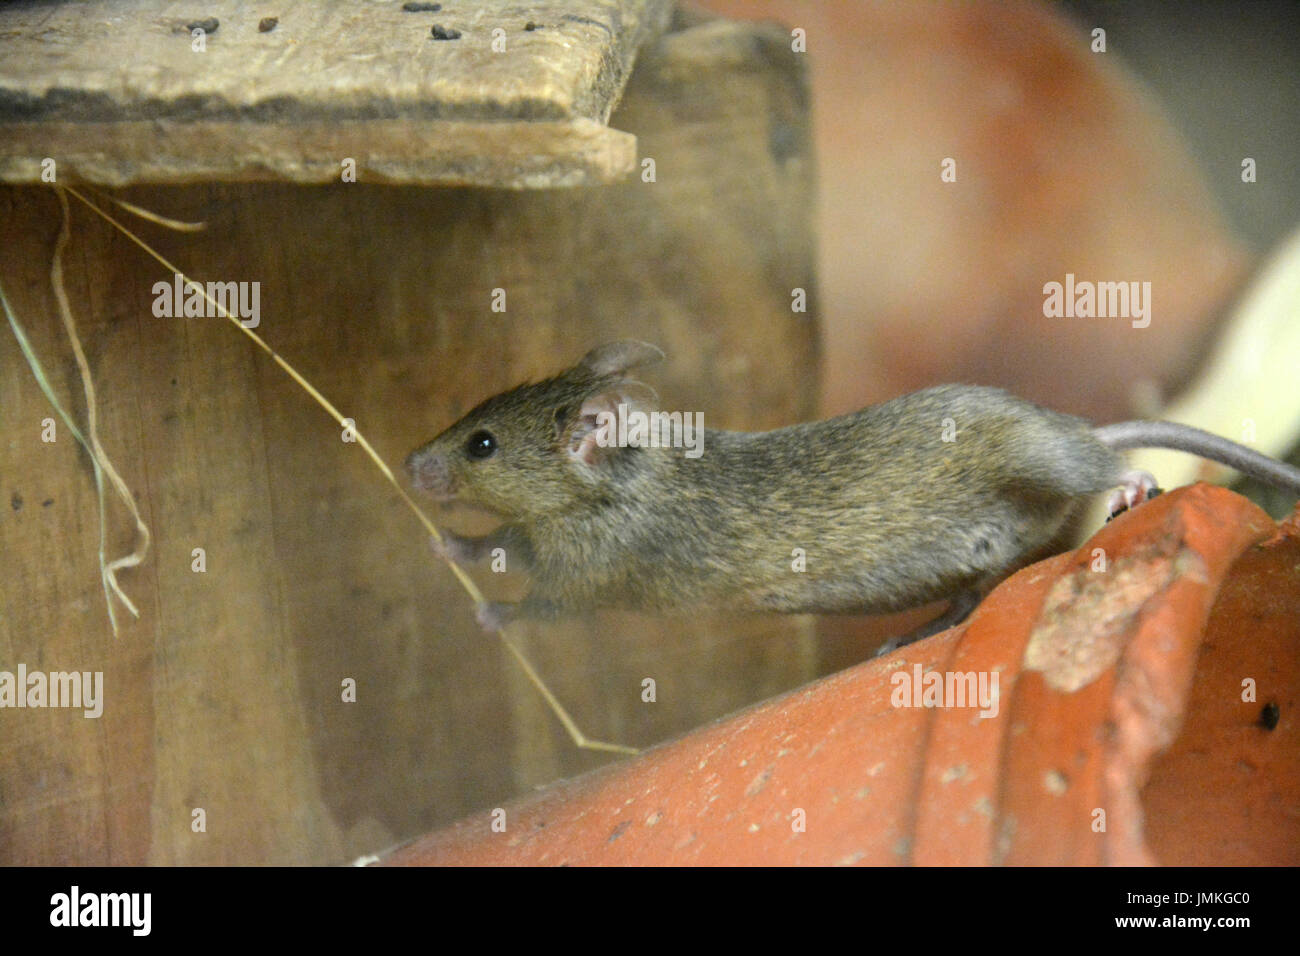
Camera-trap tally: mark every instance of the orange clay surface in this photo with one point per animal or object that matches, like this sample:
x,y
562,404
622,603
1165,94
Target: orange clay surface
x,y
1120,736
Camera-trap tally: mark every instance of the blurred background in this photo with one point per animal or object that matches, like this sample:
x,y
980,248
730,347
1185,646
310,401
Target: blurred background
x,y
1123,164
1227,77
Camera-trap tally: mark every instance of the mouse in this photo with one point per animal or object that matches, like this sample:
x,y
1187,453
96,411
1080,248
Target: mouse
x,y
937,494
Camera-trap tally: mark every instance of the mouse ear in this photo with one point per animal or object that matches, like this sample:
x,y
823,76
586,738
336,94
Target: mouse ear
x,y
616,358
590,430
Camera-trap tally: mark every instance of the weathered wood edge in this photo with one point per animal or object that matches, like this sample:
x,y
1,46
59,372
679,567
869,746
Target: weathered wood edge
x,y
507,155
358,81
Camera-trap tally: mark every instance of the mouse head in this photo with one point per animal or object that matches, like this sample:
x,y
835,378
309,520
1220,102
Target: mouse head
x,y
540,448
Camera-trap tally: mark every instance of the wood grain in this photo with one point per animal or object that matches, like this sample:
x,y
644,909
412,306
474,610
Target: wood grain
x,y
226,694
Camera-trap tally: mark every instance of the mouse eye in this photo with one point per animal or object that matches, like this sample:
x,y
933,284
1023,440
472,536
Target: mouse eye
x,y
481,444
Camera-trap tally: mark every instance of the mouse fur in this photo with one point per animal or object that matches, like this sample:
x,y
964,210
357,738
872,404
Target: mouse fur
x,y
888,513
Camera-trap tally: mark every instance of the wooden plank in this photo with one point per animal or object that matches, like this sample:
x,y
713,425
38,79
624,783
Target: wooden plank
x,y
117,93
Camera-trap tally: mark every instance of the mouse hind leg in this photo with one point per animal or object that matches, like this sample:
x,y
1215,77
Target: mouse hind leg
x,y
1135,487
958,610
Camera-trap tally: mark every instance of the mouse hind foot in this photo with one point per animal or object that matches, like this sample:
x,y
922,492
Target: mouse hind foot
x,y
958,610
1135,487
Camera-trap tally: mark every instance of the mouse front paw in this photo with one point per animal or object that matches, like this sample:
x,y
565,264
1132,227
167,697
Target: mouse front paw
x,y
452,548
493,616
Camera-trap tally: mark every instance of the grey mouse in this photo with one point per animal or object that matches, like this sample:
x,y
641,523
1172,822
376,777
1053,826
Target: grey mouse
x,y
937,494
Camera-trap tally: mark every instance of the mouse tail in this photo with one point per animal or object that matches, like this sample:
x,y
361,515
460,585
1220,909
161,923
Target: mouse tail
x,y
1194,441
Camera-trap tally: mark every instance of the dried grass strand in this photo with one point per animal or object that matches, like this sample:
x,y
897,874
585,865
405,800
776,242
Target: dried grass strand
x,y
575,733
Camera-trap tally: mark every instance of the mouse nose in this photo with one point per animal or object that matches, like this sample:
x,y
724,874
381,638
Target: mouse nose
x,y
429,471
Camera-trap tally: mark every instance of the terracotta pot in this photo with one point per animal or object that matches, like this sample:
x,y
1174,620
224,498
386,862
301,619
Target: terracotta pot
x,y
1096,666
